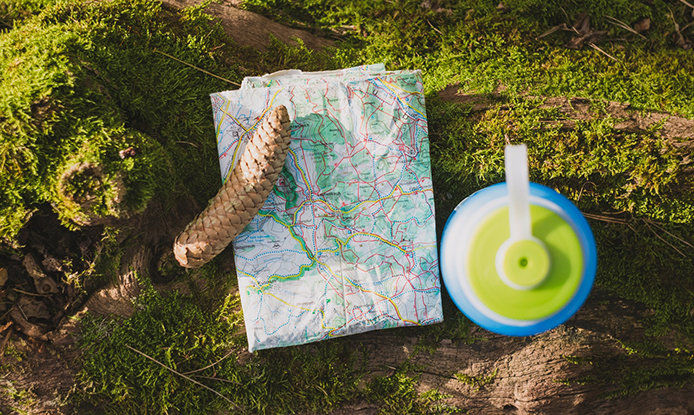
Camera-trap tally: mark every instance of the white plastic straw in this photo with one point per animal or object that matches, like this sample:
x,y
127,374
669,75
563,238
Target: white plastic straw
x,y
516,163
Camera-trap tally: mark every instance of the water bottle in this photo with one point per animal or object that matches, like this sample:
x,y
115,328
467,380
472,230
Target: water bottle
x,y
518,258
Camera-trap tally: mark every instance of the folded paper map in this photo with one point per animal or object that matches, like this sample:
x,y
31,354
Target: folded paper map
x,y
346,242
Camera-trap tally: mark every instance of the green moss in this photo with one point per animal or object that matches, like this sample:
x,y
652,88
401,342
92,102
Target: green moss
x,y
11,356
476,381
397,394
22,401
184,336
484,48
641,262
610,169
14,396
170,330
82,84
14,11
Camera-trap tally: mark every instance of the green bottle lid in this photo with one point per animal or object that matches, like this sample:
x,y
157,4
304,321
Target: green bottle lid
x,y
527,279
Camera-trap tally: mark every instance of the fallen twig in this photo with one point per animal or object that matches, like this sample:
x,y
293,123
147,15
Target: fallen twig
x,y
187,142
553,29
681,41
29,293
650,224
550,31
195,67
210,365
594,46
604,218
624,26
663,239
580,192
669,233
435,29
7,312
234,404
219,379
22,311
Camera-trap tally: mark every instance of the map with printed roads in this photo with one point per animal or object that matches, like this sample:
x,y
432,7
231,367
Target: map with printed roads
x,y
346,242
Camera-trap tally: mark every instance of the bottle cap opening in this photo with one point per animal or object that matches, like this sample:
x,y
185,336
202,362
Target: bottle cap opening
x,y
523,264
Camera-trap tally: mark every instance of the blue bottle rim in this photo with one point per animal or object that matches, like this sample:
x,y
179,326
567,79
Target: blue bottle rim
x,y
482,197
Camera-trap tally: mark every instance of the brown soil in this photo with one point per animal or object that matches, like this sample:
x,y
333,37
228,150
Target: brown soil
x,y
42,373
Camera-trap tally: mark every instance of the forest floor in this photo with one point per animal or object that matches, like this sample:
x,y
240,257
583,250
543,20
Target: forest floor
x,y
96,319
